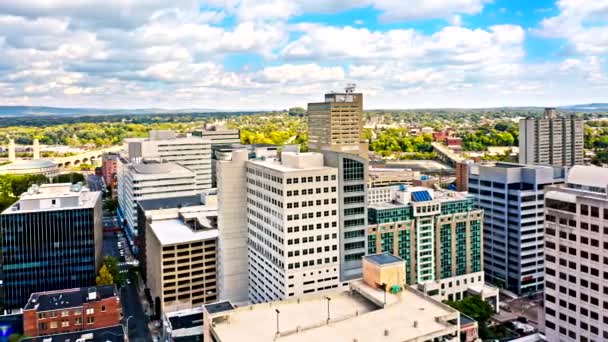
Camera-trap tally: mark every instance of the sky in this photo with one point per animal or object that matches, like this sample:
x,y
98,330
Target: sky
x,y
276,54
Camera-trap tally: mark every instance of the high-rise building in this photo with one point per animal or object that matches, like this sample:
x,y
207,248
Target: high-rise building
x,y
109,164
462,174
52,239
181,256
142,181
193,153
551,140
352,208
64,311
511,196
292,215
233,270
439,235
337,123
576,257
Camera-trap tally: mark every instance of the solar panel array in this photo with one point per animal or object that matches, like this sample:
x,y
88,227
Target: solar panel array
x,y
421,196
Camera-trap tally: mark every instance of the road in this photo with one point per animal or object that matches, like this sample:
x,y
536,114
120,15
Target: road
x,y
129,296
96,183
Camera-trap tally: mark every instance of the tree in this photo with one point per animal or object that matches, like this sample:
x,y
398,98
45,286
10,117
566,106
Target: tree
x,y
104,277
476,308
112,265
110,204
297,111
72,177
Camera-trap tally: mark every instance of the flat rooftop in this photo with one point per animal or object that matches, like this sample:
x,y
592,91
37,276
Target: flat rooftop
x,y
409,315
155,168
293,161
58,196
56,300
174,231
170,202
383,258
441,195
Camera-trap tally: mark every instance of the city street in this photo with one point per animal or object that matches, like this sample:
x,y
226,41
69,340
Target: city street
x,y
96,183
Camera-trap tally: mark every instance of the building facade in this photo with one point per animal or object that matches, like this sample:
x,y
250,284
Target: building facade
x,y
193,153
109,168
65,311
551,140
143,181
51,239
181,256
337,123
576,257
512,198
292,214
218,135
437,233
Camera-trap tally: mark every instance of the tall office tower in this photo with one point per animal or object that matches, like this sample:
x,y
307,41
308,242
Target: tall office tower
x,y
337,123
233,270
551,140
142,181
438,234
181,256
109,169
193,153
52,239
352,205
511,196
462,174
576,257
292,215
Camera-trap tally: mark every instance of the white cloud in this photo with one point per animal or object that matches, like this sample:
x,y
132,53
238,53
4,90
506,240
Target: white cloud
x,y
290,73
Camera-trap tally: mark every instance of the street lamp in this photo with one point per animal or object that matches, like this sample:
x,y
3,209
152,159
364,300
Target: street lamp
x,y
328,316
278,312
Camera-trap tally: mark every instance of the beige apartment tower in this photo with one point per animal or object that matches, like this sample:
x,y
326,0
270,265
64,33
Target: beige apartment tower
x,y
551,140
337,123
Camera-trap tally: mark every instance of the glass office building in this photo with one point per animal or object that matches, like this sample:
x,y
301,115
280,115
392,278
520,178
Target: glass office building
x,y
51,239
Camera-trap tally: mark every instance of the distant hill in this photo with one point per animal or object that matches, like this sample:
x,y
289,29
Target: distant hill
x,y
591,107
14,111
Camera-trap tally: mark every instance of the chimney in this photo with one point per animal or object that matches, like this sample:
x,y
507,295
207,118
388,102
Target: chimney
x,y
36,149
11,150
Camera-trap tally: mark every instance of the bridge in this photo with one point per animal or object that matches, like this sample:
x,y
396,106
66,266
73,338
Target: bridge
x,y
89,157
446,155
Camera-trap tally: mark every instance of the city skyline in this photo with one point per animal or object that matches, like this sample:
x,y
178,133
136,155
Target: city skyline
x,y
274,54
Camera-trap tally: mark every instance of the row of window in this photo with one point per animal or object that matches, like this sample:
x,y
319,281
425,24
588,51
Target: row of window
x,y
311,262
309,179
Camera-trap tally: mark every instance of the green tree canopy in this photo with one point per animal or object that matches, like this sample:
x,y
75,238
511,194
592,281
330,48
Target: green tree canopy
x,y
104,277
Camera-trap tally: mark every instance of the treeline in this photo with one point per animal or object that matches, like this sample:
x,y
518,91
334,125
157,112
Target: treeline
x,y
501,134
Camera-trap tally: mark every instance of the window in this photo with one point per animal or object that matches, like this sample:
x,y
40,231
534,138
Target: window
x,y
90,320
53,325
90,311
78,321
65,323
103,308
65,313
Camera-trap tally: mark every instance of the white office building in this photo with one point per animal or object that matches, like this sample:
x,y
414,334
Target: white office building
x,y
292,215
576,257
193,153
551,140
143,181
511,196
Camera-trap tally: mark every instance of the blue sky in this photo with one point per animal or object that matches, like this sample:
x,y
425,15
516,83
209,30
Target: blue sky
x,y
273,54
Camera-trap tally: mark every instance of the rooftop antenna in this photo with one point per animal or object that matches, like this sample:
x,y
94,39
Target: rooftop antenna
x,y
350,88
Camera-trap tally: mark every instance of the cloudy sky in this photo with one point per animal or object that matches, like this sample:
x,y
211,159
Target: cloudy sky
x,y
273,54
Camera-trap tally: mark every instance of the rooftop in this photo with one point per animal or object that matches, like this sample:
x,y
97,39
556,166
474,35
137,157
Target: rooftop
x,y
155,168
28,164
186,324
408,315
56,300
57,196
591,176
383,258
173,231
108,334
171,202
294,161
404,196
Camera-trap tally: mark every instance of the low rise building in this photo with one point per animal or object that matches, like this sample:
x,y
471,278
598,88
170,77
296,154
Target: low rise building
x,y
115,333
391,176
66,311
380,307
183,325
439,234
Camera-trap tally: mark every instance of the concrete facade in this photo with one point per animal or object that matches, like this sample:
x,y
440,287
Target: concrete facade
x,y
551,140
576,257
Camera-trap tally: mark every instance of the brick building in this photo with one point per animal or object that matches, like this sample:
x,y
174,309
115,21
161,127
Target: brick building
x,y
63,311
